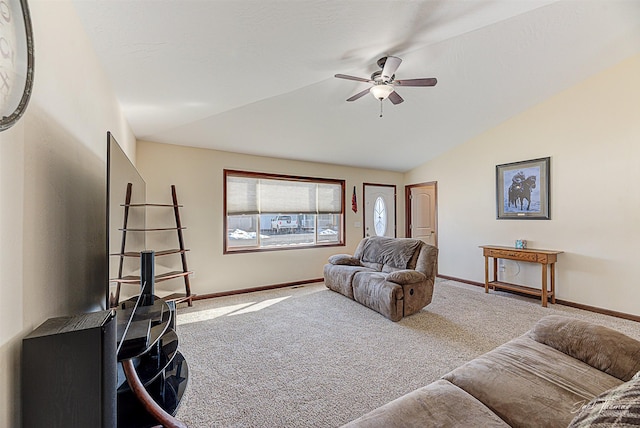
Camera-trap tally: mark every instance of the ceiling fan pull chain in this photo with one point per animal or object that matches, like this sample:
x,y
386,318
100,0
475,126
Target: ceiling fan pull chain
x,y
380,107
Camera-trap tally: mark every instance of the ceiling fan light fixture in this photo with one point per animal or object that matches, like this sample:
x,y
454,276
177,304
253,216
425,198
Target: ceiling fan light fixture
x,y
381,91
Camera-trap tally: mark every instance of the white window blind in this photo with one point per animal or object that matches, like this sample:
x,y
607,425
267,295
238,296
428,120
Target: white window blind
x,y
255,195
329,199
242,195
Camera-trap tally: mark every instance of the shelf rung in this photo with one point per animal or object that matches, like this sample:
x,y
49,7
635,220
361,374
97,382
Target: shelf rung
x,y
153,229
135,279
157,253
178,297
150,205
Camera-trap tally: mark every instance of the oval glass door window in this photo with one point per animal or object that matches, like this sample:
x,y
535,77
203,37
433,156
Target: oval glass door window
x,y
380,216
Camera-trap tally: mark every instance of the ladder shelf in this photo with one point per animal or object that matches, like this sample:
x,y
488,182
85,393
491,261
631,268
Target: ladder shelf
x,y
187,296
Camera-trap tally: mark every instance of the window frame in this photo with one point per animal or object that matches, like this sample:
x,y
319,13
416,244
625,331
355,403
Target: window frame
x,y
272,176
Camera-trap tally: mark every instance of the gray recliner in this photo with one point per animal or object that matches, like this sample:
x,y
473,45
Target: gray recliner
x,y
393,276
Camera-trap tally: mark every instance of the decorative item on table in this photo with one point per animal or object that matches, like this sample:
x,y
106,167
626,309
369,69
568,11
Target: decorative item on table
x,y
521,244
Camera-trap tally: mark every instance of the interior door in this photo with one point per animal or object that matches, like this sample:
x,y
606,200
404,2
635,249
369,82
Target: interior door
x,y
421,221
379,210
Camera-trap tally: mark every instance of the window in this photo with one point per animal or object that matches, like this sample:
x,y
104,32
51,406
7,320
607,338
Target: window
x,y
380,216
270,211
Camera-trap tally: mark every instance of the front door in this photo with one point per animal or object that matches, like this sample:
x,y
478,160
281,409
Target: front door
x,y
379,210
421,219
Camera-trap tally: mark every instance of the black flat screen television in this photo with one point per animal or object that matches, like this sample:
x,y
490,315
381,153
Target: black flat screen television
x,y
121,172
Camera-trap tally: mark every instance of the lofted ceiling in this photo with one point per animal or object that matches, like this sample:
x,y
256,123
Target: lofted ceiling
x,y
256,76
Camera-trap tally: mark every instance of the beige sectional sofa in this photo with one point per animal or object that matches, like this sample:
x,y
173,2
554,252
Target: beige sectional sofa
x,y
393,276
563,372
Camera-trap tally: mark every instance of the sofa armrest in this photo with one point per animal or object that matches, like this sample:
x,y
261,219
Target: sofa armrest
x,y
344,259
406,276
602,348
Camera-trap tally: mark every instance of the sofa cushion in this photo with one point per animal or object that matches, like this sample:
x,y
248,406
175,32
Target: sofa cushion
x,y
395,252
373,291
427,261
344,259
616,407
439,404
406,276
527,383
600,347
372,265
339,277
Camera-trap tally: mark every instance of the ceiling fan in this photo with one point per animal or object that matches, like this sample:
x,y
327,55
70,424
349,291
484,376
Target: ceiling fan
x,y
383,82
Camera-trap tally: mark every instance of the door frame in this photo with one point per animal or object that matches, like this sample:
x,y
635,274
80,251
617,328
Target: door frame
x,y
407,204
395,207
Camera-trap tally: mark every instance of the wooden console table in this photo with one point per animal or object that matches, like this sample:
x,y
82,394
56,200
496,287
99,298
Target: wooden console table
x,y
547,258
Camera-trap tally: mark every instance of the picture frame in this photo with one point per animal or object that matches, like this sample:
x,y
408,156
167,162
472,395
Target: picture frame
x,y
522,190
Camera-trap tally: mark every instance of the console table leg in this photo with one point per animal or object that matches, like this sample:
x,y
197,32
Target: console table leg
x,y
495,270
553,283
544,285
486,274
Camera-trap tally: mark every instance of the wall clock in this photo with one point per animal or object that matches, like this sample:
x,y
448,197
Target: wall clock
x,y
16,61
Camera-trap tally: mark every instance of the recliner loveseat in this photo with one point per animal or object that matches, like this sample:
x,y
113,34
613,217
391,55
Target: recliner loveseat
x,y
393,276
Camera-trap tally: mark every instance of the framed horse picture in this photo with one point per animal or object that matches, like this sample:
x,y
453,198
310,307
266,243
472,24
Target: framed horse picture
x,y
522,190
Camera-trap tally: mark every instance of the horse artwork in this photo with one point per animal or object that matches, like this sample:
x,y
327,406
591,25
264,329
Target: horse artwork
x,y
520,190
523,189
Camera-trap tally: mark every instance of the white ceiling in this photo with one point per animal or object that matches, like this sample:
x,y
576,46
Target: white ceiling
x,y
256,76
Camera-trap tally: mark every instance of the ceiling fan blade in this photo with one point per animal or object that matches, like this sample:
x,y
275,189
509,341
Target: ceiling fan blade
x,y
391,64
395,98
358,79
359,95
430,81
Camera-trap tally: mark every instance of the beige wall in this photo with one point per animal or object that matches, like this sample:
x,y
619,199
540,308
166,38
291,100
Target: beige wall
x,y
52,191
592,134
197,174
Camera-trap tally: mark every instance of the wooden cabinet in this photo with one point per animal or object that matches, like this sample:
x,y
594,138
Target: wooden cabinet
x,y
546,258
69,372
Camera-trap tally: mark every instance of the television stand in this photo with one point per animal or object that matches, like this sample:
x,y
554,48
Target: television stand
x,y
152,373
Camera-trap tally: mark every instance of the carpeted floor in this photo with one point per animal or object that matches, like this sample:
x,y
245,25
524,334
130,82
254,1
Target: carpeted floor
x,y
309,357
